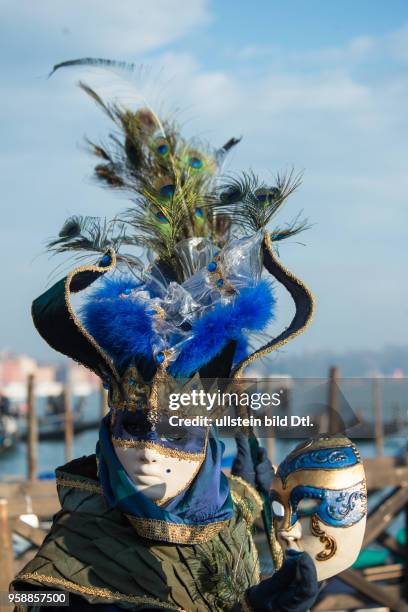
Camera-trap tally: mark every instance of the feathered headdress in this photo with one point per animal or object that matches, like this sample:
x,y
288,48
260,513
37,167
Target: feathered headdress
x,y
206,236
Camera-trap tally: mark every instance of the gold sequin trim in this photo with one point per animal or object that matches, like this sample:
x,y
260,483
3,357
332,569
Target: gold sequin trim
x,y
159,314
96,591
132,392
249,519
253,492
267,349
174,533
162,450
276,550
74,316
160,377
79,484
246,510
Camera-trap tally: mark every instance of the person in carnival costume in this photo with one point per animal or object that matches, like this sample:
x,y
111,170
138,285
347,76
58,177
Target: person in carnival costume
x,y
150,522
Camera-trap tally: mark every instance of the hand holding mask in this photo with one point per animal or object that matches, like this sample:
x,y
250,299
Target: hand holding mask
x,y
293,588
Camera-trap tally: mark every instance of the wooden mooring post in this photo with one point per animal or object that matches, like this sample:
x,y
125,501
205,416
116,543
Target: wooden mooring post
x,y
32,431
333,401
6,552
378,420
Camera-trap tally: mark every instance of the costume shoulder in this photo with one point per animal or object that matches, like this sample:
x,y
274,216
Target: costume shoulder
x,y
56,321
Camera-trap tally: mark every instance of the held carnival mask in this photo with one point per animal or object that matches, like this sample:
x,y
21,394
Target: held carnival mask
x,y
319,503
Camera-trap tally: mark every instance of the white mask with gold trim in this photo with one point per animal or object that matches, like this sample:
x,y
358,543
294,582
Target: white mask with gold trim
x,y
319,503
160,460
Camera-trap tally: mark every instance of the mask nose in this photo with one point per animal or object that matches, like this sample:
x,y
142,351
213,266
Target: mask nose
x,y
146,455
291,536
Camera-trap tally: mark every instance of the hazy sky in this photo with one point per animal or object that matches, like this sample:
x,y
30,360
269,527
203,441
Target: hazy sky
x,y
320,85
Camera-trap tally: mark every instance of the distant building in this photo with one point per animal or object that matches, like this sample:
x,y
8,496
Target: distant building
x,y
49,378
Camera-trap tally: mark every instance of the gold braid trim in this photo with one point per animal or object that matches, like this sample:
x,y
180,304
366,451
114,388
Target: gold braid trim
x,y
174,533
79,484
160,312
160,377
247,514
253,492
74,316
276,550
330,545
245,508
267,349
162,450
96,591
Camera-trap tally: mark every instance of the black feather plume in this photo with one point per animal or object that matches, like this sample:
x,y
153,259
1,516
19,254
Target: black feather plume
x,y
93,61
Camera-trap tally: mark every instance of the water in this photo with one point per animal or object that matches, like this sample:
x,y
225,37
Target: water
x,y
51,452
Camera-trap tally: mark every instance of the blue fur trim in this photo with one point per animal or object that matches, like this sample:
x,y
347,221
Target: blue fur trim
x,y
120,325
241,350
123,328
251,310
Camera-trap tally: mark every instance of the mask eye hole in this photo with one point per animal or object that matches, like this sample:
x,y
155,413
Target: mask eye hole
x,y
172,438
278,510
136,430
308,506
173,435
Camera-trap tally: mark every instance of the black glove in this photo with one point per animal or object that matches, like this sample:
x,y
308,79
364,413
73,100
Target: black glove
x,y
261,477
293,588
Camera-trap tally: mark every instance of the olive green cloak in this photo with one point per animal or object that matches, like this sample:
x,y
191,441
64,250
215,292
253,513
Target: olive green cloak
x,y
93,551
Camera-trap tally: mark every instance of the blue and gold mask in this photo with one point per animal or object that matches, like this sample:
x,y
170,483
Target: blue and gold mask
x,y
319,502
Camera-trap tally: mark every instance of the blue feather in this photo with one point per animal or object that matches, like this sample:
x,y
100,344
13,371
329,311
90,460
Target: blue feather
x,y
123,327
251,310
120,325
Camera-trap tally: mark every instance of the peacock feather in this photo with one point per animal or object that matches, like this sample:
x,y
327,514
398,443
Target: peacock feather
x,y
251,204
174,186
83,234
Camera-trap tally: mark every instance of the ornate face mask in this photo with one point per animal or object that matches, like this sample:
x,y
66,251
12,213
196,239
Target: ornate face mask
x,y
161,461
319,503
